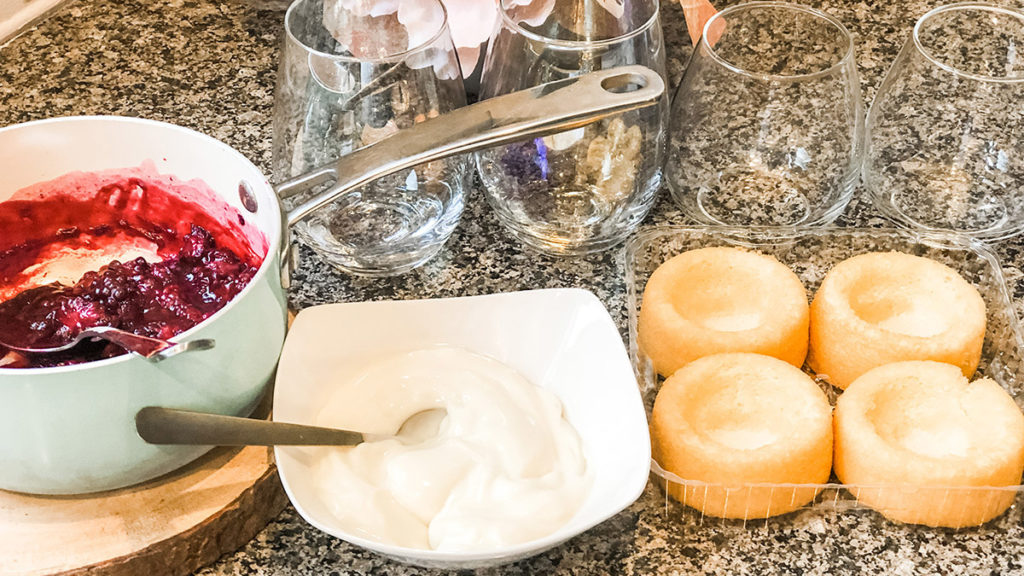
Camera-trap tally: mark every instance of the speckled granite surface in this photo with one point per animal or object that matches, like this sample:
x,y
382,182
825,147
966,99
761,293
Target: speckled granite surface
x,y
211,66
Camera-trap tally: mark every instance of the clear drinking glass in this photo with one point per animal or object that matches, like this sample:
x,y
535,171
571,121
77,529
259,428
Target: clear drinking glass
x,y
587,189
353,72
946,130
768,121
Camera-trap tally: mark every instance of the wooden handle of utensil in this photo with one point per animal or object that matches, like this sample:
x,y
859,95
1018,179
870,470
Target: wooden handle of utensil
x,y
697,13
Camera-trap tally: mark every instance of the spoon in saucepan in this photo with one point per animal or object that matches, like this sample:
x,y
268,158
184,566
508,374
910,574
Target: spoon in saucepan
x,y
153,349
158,425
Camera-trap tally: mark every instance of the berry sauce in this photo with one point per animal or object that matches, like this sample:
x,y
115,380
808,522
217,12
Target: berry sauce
x,y
201,254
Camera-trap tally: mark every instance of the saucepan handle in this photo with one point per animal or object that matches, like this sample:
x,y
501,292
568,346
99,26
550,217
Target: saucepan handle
x,y
546,109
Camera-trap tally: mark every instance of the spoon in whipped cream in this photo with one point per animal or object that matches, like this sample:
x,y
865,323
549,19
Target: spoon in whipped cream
x,y
158,425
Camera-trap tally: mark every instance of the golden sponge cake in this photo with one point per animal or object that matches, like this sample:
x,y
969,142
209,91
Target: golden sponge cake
x,y
878,308
735,419
716,300
929,438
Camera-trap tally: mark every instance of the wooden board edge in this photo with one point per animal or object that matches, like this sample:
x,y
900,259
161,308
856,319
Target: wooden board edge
x,y
203,544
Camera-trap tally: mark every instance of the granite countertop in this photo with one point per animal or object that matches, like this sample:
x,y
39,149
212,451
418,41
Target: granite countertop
x,y
211,66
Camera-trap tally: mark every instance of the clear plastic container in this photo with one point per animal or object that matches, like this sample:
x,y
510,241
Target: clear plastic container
x,y
811,253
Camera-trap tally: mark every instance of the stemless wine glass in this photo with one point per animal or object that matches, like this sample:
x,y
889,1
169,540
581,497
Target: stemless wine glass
x,y
768,121
587,189
352,73
946,130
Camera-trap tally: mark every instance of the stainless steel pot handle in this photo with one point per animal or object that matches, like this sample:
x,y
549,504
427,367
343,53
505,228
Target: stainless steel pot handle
x,y
546,109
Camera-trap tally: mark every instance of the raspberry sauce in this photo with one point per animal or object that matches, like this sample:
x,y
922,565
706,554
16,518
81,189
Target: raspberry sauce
x,y
199,254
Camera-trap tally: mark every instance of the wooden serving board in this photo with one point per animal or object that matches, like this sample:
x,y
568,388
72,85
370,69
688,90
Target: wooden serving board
x,y
170,526
166,527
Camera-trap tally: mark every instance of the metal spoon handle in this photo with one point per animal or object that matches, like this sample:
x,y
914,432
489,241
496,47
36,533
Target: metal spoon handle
x,y
153,349
143,345
546,109
158,425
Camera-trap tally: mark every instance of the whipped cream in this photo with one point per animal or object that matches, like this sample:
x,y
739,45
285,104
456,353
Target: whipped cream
x,y
496,465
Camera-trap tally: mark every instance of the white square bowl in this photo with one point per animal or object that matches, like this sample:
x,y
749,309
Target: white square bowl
x,y
562,340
